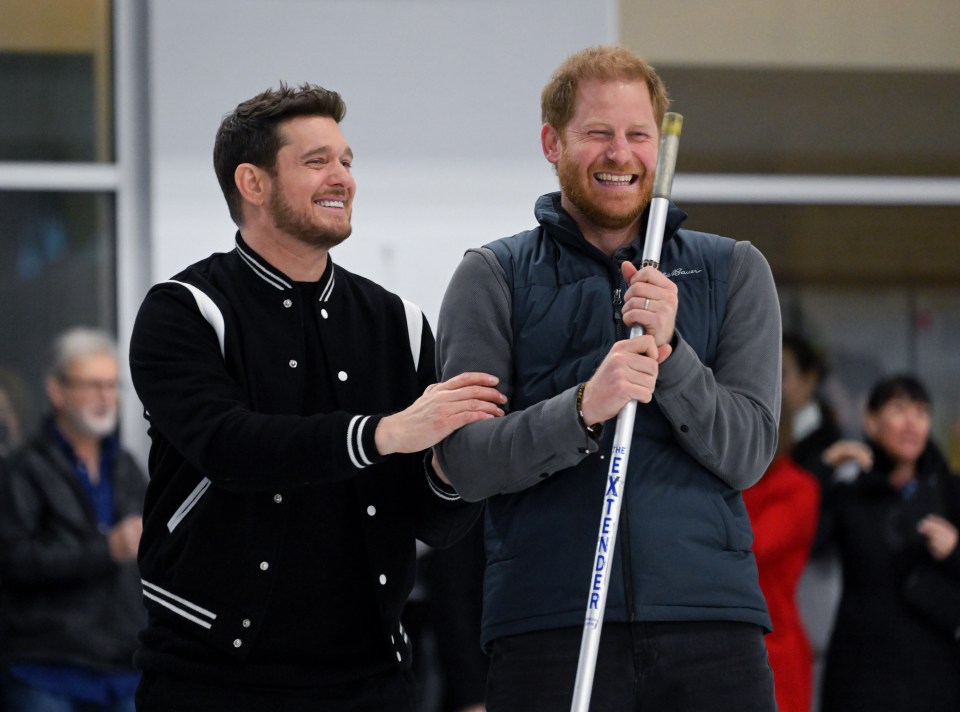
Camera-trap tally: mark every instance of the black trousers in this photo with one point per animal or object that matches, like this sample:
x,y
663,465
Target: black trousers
x,y
646,667
393,692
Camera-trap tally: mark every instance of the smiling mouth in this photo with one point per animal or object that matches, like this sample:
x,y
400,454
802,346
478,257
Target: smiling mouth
x,y
330,203
614,179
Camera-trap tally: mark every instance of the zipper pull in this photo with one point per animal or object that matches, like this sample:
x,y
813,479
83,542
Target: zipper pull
x,y
617,314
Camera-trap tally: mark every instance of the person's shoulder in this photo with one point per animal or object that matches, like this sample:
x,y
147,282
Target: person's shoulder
x,y
710,237
29,455
212,276
740,247
706,242
515,242
209,269
748,265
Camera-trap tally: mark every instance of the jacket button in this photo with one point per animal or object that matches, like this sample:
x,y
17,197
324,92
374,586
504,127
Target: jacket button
x,y
383,580
246,623
287,303
342,375
278,498
371,510
684,428
264,566
237,643
323,313
293,363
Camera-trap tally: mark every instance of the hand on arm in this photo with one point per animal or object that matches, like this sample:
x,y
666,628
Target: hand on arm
x,y
442,409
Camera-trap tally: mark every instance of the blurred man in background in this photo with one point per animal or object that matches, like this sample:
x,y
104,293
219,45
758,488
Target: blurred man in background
x,y
70,521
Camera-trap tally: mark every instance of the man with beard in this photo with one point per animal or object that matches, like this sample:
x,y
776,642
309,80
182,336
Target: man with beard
x,y
548,312
70,522
292,409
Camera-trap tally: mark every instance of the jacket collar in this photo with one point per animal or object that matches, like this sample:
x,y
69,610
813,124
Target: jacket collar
x,y
930,463
551,215
275,278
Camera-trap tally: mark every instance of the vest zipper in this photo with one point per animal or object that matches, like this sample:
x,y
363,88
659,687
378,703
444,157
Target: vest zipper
x,y
617,315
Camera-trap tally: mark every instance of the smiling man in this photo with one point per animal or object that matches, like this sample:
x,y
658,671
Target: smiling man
x,y
292,408
548,311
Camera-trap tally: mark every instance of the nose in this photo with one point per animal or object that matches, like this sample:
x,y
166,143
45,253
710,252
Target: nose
x,y
341,176
618,149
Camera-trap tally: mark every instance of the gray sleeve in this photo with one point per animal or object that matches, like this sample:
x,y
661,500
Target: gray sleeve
x,y
726,418
516,451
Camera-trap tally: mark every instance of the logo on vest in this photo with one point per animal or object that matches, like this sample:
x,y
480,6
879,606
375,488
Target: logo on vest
x,y
681,272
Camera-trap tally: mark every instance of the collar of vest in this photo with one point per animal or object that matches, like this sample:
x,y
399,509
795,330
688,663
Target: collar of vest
x,y
552,216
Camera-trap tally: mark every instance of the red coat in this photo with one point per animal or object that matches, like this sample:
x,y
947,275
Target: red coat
x,y
783,508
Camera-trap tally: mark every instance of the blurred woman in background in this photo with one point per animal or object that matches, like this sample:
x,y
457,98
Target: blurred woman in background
x,y
894,645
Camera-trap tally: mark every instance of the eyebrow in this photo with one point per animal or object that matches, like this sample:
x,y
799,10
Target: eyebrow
x,y
325,150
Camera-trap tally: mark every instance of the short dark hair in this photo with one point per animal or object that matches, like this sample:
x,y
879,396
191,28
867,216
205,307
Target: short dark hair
x,y
604,63
901,385
809,359
249,134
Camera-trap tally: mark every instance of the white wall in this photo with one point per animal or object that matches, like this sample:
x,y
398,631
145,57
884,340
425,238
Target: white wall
x,y
442,113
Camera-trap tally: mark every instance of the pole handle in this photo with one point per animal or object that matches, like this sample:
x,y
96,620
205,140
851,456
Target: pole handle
x,y
667,157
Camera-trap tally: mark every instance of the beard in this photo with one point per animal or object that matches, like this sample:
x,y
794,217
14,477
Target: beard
x,y
578,188
302,226
95,422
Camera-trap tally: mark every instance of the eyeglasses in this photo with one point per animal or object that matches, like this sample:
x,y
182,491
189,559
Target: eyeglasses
x,y
89,386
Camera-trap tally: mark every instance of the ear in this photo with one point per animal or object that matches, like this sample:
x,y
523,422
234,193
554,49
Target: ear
x,y
54,391
870,425
550,142
252,182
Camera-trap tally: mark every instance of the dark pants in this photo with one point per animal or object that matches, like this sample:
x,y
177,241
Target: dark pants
x,y
393,692
648,667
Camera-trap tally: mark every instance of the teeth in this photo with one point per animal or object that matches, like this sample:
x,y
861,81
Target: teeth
x,y
611,178
330,203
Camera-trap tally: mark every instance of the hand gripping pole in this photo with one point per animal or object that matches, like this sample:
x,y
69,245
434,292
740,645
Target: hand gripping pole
x,y
623,435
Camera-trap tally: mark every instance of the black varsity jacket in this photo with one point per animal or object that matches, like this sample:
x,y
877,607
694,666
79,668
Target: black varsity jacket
x,y
216,357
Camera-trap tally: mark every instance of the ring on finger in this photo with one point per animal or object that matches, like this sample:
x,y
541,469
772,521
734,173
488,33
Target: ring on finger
x,y
646,304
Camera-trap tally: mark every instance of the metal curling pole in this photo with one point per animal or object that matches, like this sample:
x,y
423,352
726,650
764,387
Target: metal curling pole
x,y
623,435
